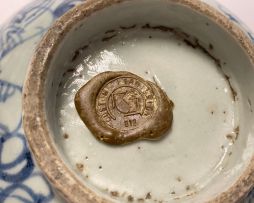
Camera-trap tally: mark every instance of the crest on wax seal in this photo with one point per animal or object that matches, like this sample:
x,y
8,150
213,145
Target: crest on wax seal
x,y
125,103
120,107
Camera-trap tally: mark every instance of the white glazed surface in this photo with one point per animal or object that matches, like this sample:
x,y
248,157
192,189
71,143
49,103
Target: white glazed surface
x,y
196,160
201,120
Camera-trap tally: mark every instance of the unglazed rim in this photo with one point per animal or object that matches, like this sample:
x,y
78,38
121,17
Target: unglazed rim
x,y
34,114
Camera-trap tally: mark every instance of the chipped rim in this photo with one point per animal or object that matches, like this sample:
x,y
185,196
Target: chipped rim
x,y
34,114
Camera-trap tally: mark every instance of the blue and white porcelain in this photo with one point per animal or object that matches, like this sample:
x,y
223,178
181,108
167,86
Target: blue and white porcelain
x,y
20,180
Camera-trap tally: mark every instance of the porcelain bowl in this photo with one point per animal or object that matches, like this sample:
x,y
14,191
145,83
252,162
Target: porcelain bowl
x,y
201,59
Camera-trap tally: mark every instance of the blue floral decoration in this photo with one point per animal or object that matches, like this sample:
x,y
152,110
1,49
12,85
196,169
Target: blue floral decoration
x,y
13,35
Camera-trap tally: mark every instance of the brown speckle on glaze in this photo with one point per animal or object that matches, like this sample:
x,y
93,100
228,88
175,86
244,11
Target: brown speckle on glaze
x,y
189,43
173,193
212,112
233,92
150,37
179,179
84,47
222,147
100,167
139,147
114,193
66,136
158,27
148,195
70,70
75,55
80,167
236,130
207,24
230,137
250,105
78,52
128,27
181,33
187,187
86,157
230,153
210,46
130,198
249,102
110,31
192,193
105,39
194,43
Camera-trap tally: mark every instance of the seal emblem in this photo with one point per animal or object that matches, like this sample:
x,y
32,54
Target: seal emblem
x,y
124,103
120,107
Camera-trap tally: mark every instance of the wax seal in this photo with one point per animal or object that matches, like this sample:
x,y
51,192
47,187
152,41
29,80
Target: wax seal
x,y
121,107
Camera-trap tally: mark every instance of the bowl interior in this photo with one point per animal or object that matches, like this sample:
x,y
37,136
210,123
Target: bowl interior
x,y
201,67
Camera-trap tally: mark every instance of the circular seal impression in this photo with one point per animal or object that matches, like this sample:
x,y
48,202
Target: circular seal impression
x,y
120,107
125,103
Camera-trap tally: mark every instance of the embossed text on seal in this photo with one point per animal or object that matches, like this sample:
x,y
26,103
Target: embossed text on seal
x,y
125,103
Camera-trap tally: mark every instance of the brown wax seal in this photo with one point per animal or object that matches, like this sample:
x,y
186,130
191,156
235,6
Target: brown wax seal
x,y
120,107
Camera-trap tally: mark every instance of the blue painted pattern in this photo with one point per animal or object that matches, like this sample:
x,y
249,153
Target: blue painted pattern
x,y
64,6
15,33
16,181
251,36
236,21
16,186
7,90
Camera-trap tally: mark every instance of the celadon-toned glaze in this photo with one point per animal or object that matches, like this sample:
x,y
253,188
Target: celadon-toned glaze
x,y
204,69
